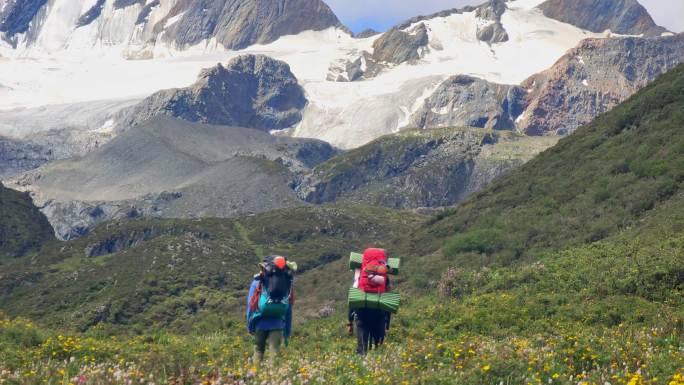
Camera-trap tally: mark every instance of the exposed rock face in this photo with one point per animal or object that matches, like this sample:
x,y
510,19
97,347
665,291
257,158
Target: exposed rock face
x,y
16,15
588,81
466,101
252,91
444,13
173,168
397,46
238,23
32,137
18,156
493,31
125,240
593,78
366,33
365,66
413,169
92,14
626,17
234,24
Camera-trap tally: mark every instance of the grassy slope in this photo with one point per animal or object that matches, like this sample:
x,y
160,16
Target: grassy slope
x,y
22,227
186,274
569,271
605,178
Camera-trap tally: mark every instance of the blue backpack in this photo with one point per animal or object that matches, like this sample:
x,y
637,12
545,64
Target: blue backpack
x,y
274,290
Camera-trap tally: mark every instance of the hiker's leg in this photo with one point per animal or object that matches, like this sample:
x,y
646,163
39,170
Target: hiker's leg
x,y
275,338
260,347
380,333
374,333
362,338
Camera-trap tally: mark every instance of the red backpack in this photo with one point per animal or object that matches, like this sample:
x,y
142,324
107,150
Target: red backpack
x,y
374,271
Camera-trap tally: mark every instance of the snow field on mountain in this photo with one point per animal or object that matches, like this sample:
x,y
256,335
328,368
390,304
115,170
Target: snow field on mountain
x,y
347,114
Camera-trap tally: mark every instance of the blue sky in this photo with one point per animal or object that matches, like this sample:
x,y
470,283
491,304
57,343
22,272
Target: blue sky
x,y
382,14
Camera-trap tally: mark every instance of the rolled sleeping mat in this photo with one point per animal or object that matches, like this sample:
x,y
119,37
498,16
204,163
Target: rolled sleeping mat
x,y
356,259
358,299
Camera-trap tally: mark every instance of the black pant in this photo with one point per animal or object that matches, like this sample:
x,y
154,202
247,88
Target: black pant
x,y
370,329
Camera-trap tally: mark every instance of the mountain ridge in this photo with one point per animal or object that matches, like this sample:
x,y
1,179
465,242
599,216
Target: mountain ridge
x,y
181,23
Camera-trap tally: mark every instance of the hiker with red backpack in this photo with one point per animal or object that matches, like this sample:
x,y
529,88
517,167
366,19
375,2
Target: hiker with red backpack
x,y
371,323
269,306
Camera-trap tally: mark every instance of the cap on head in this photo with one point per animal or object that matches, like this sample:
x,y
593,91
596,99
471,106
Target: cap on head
x,y
279,262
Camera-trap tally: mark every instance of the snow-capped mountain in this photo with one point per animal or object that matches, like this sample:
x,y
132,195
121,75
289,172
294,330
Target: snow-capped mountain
x,y
500,42
139,28
76,74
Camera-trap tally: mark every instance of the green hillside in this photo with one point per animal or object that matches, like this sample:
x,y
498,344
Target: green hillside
x,y
570,270
606,178
186,275
22,227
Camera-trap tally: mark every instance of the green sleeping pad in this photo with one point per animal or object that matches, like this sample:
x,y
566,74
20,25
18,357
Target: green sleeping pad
x,y
355,260
358,299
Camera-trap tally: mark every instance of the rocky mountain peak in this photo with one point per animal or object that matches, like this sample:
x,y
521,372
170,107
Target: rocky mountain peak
x,y
234,24
619,16
253,91
493,31
16,15
398,46
239,23
491,10
368,32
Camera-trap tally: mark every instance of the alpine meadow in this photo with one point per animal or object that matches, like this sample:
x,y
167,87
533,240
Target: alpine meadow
x,y
246,192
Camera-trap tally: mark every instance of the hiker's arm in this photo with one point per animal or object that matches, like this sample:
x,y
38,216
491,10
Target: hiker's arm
x,y
350,327
388,317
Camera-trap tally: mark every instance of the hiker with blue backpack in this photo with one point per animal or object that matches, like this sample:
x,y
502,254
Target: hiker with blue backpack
x,y
269,306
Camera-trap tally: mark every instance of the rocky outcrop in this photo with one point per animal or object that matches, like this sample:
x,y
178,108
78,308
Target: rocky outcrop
x,y
466,101
394,47
233,24
18,156
626,17
237,24
397,46
492,31
252,91
593,78
92,14
425,168
365,66
16,15
117,242
369,32
444,13
588,81
173,168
